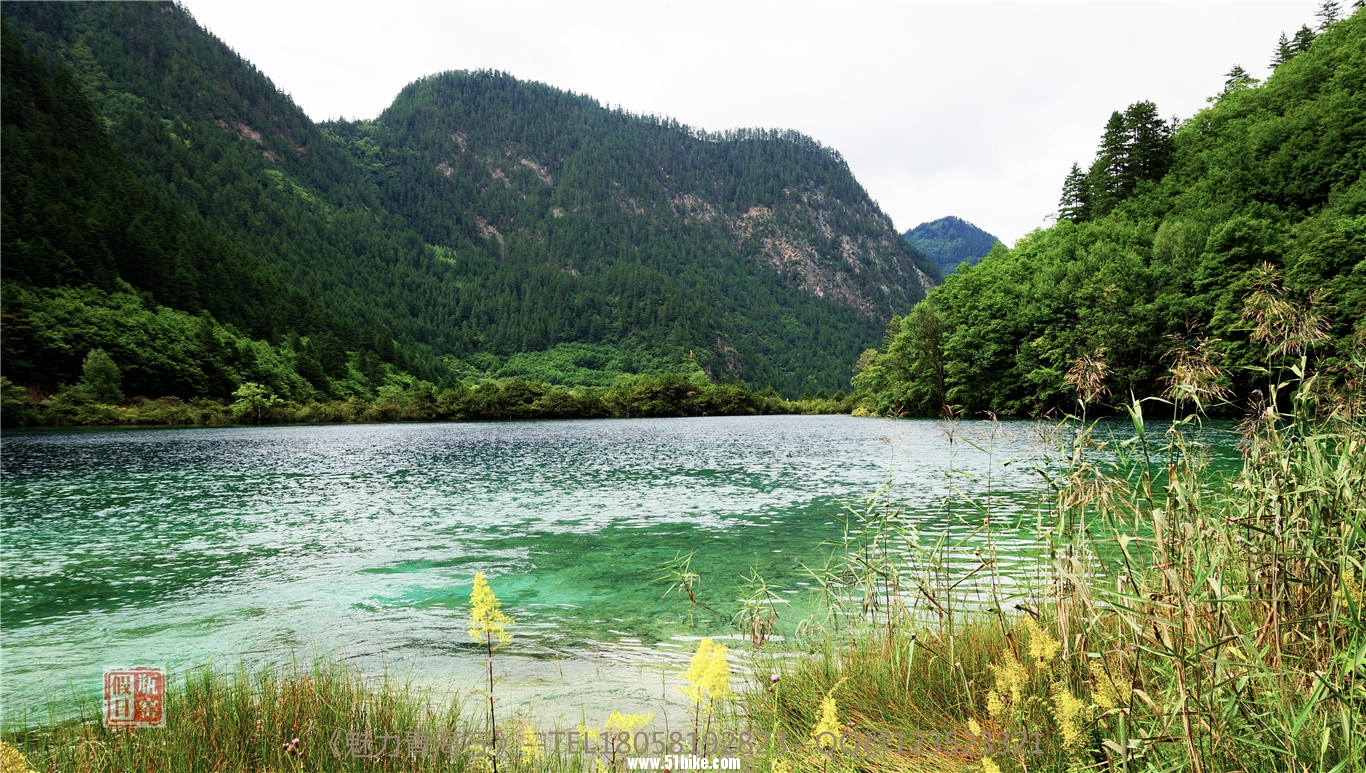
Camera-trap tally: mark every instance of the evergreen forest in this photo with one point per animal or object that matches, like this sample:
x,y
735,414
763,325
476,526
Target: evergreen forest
x,y
1178,254
168,212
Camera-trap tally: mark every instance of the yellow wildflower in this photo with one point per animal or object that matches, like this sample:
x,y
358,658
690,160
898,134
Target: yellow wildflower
x,y
708,675
586,733
1042,646
1111,685
13,761
486,614
989,766
1011,677
531,746
781,766
996,707
618,722
827,730
1067,711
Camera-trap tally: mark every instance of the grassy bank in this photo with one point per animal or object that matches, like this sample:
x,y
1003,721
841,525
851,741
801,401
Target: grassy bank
x,y
247,721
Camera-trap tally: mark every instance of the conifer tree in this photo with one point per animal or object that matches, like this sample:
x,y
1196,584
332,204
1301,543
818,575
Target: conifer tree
x,y
1150,143
1135,146
1075,204
1304,37
1107,171
1237,78
1283,52
1328,13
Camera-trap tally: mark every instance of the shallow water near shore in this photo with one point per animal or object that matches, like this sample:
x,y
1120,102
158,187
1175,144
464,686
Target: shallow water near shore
x,y
358,543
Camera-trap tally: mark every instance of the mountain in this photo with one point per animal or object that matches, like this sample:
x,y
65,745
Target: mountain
x,y
708,234
950,241
1187,263
481,226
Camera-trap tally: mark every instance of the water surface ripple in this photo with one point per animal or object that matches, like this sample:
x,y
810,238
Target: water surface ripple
x,y
359,542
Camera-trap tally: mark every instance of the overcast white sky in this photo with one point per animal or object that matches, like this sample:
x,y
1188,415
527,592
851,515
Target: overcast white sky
x,y
975,109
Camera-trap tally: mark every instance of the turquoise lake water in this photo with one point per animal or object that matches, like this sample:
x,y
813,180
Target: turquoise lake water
x,y
358,543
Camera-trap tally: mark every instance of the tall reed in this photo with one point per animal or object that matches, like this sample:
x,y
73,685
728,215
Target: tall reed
x,y
1185,621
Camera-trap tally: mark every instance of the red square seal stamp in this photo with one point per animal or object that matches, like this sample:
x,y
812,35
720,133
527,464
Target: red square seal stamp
x,y
135,697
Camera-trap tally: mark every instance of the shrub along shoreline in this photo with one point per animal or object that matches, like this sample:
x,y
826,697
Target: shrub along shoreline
x,y
639,396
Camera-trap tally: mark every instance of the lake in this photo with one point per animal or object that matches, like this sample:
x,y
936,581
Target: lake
x,y
358,543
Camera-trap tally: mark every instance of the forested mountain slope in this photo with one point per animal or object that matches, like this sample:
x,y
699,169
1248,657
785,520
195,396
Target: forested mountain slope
x,y
747,246
477,222
950,241
94,258
1159,244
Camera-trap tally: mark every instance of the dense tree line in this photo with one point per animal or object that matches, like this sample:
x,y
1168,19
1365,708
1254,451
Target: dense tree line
x,y
1156,253
97,400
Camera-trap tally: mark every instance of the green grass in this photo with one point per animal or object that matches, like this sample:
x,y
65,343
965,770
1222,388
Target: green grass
x,y
245,721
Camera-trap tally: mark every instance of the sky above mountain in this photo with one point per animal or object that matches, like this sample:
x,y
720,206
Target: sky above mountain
x,y
971,108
